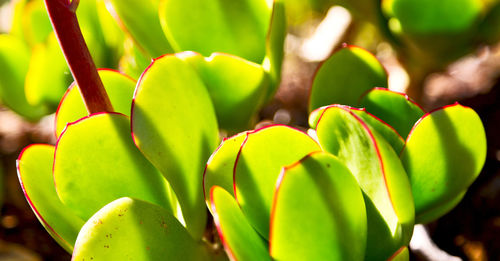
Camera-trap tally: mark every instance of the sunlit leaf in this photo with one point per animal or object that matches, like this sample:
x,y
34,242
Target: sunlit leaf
x,y
34,169
174,125
97,162
443,155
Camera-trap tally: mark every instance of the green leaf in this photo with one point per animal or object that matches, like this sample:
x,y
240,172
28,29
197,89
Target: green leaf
x,y
128,229
443,155
240,240
318,212
220,166
48,75
275,45
384,129
120,89
35,23
174,125
259,161
140,19
403,254
434,17
439,211
397,109
14,61
345,76
133,61
380,175
236,86
97,162
34,169
235,27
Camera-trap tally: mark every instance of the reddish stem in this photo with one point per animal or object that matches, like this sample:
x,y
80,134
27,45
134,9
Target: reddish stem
x,y
62,14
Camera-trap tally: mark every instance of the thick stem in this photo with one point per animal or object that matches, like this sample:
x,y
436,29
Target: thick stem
x,y
62,14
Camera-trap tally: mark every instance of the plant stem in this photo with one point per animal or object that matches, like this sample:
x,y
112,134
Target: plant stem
x,y
62,14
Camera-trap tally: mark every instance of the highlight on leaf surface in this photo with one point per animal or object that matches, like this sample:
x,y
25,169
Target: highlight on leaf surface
x,y
318,212
129,228
444,154
380,175
345,76
34,170
258,165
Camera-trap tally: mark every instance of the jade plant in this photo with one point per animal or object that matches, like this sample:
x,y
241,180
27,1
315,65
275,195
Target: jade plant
x,y
136,163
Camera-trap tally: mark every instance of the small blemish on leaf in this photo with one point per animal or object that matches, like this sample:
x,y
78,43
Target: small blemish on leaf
x,y
327,165
148,248
106,246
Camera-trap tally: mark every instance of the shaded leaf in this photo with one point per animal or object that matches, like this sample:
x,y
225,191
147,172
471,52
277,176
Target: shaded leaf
x,y
318,212
240,240
259,161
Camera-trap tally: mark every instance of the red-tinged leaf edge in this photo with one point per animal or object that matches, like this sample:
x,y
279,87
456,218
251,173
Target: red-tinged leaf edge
x,y
397,253
245,141
211,158
344,45
32,205
72,85
218,225
277,190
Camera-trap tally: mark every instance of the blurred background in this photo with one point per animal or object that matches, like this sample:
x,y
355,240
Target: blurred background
x,y
469,74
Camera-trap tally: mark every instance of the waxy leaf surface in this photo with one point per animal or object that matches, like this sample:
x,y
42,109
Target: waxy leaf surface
x,y
140,19
14,61
345,76
240,240
174,125
235,27
318,212
34,169
120,89
97,162
258,165
443,155
131,229
275,45
380,175
220,166
394,108
237,87
384,129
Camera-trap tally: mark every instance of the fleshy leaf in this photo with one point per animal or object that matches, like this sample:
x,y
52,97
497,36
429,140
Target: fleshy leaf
x,y
384,129
35,23
259,161
401,255
444,154
120,89
275,45
395,108
431,17
34,170
380,175
240,240
235,27
140,19
318,212
48,75
97,162
134,229
220,166
14,61
345,76
237,87
174,125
